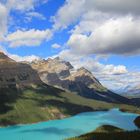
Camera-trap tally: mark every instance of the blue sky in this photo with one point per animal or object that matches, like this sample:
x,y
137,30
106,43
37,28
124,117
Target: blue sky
x,y
101,35
44,49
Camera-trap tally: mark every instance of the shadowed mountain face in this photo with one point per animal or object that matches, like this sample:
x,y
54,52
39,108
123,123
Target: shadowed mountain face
x,y
60,73
14,75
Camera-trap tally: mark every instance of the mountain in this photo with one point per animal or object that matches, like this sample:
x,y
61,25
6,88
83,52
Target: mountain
x,y
24,98
132,91
59,73
14,75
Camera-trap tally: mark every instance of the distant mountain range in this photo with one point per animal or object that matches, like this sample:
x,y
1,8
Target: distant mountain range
x,y
132,91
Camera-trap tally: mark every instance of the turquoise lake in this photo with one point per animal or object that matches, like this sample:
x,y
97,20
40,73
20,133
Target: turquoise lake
x,y
69,127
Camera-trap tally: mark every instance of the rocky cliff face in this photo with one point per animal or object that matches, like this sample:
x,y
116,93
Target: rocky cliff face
x,y
57,72
13,74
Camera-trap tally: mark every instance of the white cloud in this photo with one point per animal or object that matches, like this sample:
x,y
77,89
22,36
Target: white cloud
x,y
104,26
24,6
56,46
76,9
23,58
37,15
68,13
115,36
3,21
18,58
120,83
111,6
92,63
21,5
30,37
5,9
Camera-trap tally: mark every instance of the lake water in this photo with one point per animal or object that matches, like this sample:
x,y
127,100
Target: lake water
x,y
70,127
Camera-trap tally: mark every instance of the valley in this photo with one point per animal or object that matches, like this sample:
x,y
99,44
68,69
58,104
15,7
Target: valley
x,y
26,99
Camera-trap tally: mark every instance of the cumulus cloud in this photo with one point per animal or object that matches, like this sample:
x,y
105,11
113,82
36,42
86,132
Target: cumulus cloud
x,y
18,58
92,64
23,6
68,13
120,83
23,58
115,36
76,9
103,26
5,9
30,37
56,46
118,7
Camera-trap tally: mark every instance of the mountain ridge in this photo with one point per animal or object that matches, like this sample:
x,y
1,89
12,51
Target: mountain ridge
x,y
60,73
24,98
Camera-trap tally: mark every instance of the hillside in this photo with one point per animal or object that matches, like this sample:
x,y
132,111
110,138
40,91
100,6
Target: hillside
x,y
24,98
14,75
42,103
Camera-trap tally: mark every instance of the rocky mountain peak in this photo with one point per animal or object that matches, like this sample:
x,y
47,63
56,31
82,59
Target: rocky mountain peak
x,y
2,55
65,74
57,58
84,70
50,65
5,58
59,62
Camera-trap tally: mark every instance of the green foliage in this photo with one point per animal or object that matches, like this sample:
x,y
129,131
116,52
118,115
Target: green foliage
x,y
42,103
108,129
135,135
